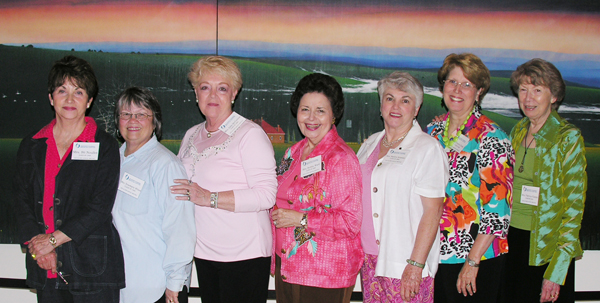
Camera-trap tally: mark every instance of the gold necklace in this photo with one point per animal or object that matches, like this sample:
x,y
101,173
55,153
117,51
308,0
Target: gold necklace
x,y
388,144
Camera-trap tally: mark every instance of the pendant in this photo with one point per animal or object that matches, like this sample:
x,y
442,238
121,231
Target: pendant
x,y
208,135
521,169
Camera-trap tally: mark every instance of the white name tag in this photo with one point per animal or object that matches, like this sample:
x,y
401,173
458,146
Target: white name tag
x,y
530,195
460,143
232,123
131,185
85,151
311,166
395,156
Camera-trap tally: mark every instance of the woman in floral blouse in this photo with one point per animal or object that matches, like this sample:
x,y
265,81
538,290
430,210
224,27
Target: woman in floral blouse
x,y
317,217
478,199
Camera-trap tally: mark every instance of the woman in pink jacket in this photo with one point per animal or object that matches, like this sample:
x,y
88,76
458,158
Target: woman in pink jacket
x,y
317,217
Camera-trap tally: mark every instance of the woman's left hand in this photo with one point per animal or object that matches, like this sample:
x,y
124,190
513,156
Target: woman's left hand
x,y
171,296
550,291
40,245
411,282
286,218
466,280
191,191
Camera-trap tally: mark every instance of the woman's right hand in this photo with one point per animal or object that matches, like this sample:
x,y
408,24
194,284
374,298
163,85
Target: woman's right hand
x,y
191,191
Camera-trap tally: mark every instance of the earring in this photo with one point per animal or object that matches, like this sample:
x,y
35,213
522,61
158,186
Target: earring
x,y
232,101
88,106
333,122
197,101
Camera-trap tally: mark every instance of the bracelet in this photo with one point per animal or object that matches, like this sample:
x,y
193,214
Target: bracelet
x,y
52,240
415,263
214,200
471,262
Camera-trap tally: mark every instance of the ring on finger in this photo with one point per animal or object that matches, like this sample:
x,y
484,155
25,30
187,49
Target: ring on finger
x,y
189,183
275,222
33,256
188,193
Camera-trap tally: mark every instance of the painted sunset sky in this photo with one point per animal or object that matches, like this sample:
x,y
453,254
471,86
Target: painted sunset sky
x,y
380,33
328,23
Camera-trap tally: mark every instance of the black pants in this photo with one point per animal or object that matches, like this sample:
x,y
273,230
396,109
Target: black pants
x,y
182,296
233,282
52,295
490,282
524,282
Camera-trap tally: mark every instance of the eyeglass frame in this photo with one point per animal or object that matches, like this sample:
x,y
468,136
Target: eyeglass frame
x,y
455,84
136,116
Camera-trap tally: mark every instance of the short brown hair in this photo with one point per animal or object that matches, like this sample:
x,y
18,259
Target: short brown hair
x,y
541,73
220,65
74,69
473,68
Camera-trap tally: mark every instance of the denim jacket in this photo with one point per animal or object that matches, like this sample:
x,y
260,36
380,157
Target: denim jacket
x,y
84,196
559,172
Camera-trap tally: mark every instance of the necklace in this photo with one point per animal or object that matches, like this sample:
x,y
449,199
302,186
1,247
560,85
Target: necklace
x,y
209,133
388,144
448,141
521,168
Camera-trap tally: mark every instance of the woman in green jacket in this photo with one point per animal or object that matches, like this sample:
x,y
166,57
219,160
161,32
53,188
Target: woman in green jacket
x,y
549,190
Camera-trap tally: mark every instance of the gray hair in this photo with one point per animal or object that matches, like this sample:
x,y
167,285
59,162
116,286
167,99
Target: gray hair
x,y
402,81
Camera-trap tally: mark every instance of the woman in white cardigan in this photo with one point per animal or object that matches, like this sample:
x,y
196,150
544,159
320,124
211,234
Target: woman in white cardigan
x,y
405,172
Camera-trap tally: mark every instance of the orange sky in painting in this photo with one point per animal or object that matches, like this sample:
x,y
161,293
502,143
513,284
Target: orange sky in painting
x,y
391,27
115,23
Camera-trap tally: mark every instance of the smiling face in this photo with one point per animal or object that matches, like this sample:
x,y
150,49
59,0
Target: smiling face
x,y
459,100
315,116
136,132
69,101
398,109
535,101
215,96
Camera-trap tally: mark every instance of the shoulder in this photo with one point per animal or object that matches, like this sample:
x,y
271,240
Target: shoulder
x,y
250,128
105,139
489,128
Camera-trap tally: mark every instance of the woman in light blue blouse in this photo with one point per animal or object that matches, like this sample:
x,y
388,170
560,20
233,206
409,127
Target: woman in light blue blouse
x,y
157,231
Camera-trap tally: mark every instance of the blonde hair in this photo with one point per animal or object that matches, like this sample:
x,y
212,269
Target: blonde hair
x,y
220,65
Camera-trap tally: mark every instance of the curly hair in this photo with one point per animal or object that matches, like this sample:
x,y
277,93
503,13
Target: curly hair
x,y
402,81
220,65
320,83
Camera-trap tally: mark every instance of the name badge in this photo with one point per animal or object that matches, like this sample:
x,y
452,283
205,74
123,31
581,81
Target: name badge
x,y
232,123
460,143
395,156
85,151
131,185
311,166
530,195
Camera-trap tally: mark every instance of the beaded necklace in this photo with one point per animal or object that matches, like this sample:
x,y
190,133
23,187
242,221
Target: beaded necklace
x,y
449,141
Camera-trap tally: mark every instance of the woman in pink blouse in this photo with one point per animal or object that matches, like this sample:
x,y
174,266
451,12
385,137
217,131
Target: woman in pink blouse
x,y
231,168
317,216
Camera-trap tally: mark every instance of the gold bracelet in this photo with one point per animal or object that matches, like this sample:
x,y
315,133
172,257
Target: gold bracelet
x,y
415,263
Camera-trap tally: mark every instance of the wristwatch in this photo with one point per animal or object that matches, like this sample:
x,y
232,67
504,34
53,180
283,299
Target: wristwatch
x,y
304,221
52,240
472,263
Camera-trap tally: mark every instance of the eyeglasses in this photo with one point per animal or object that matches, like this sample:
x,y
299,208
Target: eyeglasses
x,y
138,116
464,85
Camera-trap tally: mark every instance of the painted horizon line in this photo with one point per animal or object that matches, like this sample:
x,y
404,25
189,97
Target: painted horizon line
x,y
582,69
